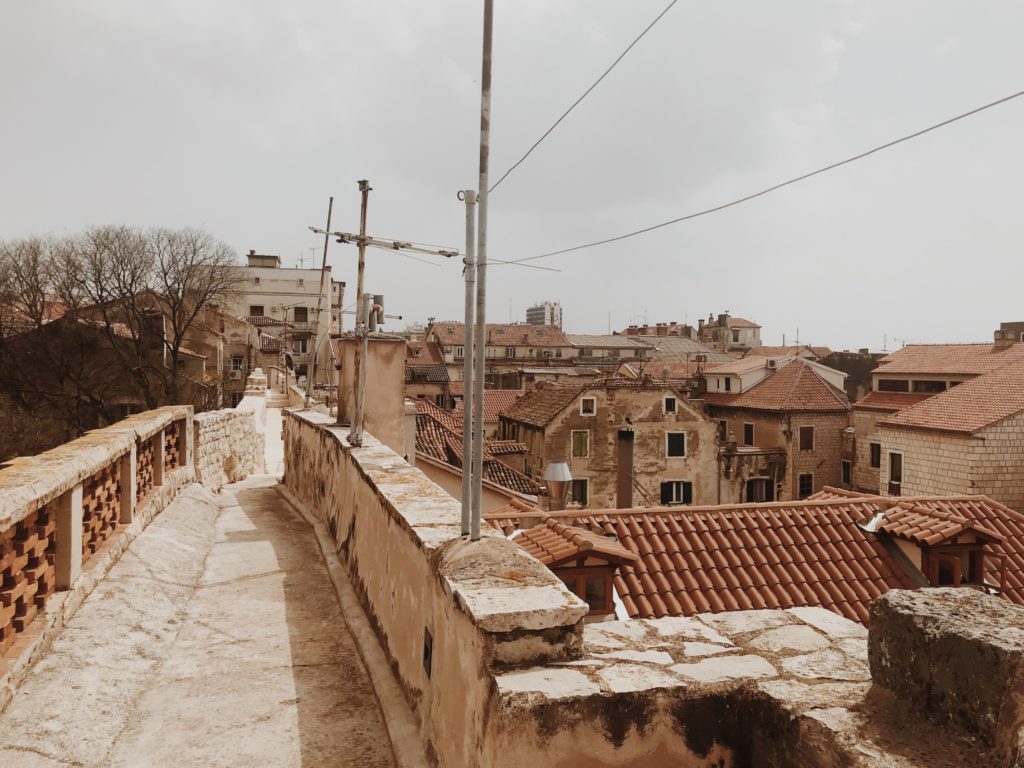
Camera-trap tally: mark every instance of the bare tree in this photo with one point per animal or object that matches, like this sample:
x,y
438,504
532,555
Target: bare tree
x,y
99,322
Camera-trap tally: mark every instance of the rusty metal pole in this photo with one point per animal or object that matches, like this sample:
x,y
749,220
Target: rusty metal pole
x,y
481,274
467,361
311,371
364,188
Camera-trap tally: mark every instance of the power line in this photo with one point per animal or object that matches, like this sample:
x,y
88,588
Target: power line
x,y
779,186
585,94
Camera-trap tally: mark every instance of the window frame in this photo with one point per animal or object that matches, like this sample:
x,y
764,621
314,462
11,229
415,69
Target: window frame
x,y
875,455
675,405
799,480
800,434
728,383
684,486
846,470
593,408
753,437
585,481
902,466
262,310
668,445
236,362
572,443
460,353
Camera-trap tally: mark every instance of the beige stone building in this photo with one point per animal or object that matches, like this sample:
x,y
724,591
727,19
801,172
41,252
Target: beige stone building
x,y
282,302
782,422
729,334
627,443
968,440
909,380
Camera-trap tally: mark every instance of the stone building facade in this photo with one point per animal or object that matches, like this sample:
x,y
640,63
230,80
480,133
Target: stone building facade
x,y
626,443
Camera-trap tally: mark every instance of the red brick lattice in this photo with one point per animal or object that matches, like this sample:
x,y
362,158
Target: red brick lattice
x,y
144,469
173,447
27,574
101,504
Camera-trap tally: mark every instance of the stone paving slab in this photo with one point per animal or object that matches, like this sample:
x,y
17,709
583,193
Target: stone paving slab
x,y
217,640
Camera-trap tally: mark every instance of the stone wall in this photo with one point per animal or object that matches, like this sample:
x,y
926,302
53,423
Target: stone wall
x,y
866,432
957,656
446,610
229,446
824,463
934,463
998,463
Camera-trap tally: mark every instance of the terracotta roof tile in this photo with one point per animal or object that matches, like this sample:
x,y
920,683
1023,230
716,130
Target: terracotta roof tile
x,y
970,406
790,351
496,401
501,335
423,353
923,525
431,374
891,401
741,365
962,359
544,403
793,387
553,542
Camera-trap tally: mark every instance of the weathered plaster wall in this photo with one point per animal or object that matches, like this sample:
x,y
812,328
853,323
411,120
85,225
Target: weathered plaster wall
x,y
486,604
385,388
229,446
651,465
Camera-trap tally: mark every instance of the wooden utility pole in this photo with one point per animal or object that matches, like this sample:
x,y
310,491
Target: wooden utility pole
x,y
355,437
311,373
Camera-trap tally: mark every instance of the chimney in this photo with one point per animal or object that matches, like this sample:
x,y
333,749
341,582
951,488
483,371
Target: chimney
x,y
1004,339
700,324
723,320
662,329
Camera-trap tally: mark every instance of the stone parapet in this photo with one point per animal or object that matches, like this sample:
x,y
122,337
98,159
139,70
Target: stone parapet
x,y
956,655
229,446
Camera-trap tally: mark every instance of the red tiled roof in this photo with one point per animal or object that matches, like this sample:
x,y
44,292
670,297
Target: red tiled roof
x,y
544,403
739,322
921,525
501,335
496,401
439,436
793,387
432,374
983,513
269,343
970,406
422,353
891,401
818,552
554,543
741,365
791,351
263,321
958,359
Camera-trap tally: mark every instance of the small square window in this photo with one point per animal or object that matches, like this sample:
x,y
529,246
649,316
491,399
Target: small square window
x,y
677,492
806,438
255,310
876,455
460,352
670,405
805,485
581,443
579,492
255,281
236,363
748,434
676,444
588,406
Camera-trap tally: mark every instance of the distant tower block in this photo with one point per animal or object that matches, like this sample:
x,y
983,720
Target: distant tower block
x,y
548,313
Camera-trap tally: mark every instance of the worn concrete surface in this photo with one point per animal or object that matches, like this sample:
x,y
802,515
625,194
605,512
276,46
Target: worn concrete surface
x,y
217,640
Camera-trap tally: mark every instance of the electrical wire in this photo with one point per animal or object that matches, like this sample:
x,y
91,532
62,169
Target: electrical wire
x,y
581,98
778,186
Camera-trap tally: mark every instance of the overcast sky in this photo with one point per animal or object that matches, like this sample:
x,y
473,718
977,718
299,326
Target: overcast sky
x,y
243,116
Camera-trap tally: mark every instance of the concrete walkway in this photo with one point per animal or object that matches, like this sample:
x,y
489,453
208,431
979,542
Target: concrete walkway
x,y
217,640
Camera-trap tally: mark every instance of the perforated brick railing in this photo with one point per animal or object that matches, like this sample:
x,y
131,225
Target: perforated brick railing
x,y
101,500
173,445
60,509
144,469
27,553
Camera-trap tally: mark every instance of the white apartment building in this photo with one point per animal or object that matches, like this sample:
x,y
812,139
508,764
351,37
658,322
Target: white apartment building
x,y
548,313
282,302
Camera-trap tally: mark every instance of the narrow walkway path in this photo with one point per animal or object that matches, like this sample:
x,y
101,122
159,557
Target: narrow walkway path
x,y
217,640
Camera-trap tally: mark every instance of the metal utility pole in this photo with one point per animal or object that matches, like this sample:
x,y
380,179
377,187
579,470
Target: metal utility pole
x,y
355,437
481,270
311,373
468,443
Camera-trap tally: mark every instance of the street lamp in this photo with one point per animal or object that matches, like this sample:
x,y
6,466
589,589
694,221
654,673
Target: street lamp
x,y
557,478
